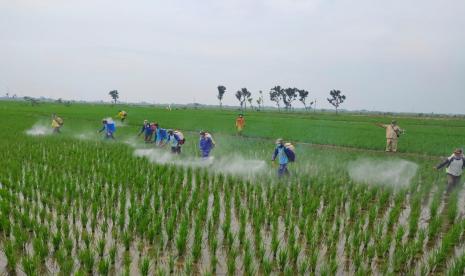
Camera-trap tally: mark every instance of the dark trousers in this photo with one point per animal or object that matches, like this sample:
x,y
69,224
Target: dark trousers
x,y
283,170
176,150
452,182
148,138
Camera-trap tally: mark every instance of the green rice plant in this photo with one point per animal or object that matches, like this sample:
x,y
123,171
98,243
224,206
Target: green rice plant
x,y
282,259
294,252
400,259
312,260
87,260
127,239
30,265
260,252
247,259
275,242
56,241
458,266
213,245
188,267
20,238
85,237
127,260
435,204
181,240
213,262
434,227
144,266
267,266
231,263
101,247
68,246
197,244
40,249
171,263
103,267
66,266
452,207
170,227
11,255
400,234
112,254
303,267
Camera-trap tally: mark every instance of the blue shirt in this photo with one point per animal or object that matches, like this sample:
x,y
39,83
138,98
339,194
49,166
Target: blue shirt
x,y
280,153
173,139
205,144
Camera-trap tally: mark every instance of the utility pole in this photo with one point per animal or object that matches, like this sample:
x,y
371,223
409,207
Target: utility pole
x,y
314,109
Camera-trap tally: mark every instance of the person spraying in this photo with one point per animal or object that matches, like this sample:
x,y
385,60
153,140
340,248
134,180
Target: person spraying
x,y
206,144
240,124
109,127
147,130
122,115
57,123
284,155
393,132
175,141
160,135
454,168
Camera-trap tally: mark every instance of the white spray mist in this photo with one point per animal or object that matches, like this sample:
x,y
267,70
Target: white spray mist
x,y
396,172
230,164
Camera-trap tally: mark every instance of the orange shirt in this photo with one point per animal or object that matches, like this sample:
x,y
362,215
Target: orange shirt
x,y
240,122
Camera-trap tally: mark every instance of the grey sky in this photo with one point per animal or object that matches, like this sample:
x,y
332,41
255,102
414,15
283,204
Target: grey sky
x,y
384,55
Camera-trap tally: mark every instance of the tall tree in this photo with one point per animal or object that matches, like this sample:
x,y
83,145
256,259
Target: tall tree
x,y
303,94
289,95
260,105
250,100
114,95
242,95
221,91
336,98
276,95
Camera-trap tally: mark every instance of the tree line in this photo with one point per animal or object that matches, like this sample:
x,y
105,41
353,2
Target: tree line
x,y
282,97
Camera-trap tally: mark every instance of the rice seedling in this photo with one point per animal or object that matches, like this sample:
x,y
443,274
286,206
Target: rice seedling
x,y
103,267
30,265
181,240
144,266
231,262
11,255
87,260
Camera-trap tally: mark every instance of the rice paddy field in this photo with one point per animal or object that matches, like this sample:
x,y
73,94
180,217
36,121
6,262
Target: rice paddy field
x,y
75,204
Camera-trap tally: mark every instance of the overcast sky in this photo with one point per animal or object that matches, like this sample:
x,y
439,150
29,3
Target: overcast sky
x,y
392,55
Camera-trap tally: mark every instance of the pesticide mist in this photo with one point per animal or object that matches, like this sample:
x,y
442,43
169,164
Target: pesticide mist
x,y
230,164
39,129
396,173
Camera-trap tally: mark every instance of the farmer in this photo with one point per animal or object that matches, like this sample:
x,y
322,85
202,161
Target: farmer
x,y
109,128
147,130
160,135
454,168
240,124
174,141
393,131
57,123
122,115
284,155
206,144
